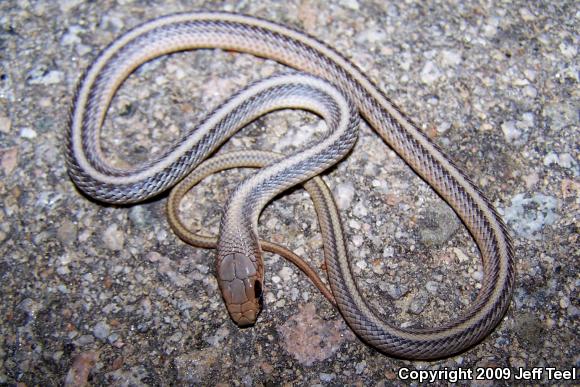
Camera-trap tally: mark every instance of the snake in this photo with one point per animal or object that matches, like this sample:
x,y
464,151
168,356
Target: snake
x,y
316,187
333,86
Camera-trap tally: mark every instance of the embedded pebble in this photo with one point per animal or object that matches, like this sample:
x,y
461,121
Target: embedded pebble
x,y
102,330
439,224
310,339
352,4
8,160
362,264
568,49
326,378
396,291
529,215
193,367
360,367
218,337
50,78
68,5
344,194
477,275
461,256
418,304
65,259
530,91
28,133
360,210
285,273
560,115
30,306
527,15
299,136
67,232
564,160
432,287
138,215
443,127
78,374
371,35
430,73
357,240
510,131
114,238
450,58
388,251
5,124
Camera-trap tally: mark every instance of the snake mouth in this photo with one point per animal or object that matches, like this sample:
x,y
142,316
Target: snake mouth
x,y
249,315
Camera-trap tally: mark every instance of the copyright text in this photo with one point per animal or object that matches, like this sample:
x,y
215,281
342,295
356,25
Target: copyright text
x,y
487,373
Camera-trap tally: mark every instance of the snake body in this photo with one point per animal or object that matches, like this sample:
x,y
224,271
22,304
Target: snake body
x,y
92,174
252,159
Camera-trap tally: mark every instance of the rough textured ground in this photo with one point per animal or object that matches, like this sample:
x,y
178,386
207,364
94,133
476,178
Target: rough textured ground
x,y
109,294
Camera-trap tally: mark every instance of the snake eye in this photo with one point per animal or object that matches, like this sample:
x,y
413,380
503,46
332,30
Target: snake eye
x,y
258,291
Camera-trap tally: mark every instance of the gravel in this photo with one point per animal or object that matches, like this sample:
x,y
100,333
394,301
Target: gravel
x,y
96,294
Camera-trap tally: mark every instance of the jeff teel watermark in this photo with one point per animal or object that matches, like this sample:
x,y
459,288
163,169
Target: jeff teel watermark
x,y
454,375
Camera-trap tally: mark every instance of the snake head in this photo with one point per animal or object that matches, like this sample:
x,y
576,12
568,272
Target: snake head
x,y
240,282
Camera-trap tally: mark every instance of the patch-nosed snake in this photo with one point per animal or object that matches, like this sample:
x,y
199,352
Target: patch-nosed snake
x,y
327,86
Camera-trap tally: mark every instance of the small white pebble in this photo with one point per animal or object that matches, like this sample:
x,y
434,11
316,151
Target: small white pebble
x,y
64,259
530,74
371,35
443,127
354,224
101,330
357,240
450,58
360,210
63,270
510,131
565,160
477,275
113,238
388,251
490,30
430,73
550,158
432,286
530,91
460,255
352,4
360,367
286,274
270,298
28,133
5,124
63,289
68,5
51,78
527,15
569,50
153,256
344,194
361,264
